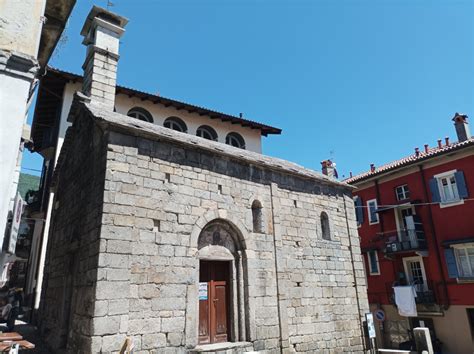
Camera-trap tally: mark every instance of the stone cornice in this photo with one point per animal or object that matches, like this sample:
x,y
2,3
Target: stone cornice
x,y
113,120
18,65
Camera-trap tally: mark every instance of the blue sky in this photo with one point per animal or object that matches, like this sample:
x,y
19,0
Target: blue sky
x,y
359,81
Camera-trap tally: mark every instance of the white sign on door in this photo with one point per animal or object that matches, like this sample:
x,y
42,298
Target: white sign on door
x,y
202,291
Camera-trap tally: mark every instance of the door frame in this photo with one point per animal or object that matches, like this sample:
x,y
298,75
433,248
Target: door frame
x,y
399,217
406,260
211,314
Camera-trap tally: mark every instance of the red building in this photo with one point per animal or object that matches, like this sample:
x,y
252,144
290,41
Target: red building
x,y
416,223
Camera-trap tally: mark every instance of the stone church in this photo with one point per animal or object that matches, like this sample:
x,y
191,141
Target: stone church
x,y
167,233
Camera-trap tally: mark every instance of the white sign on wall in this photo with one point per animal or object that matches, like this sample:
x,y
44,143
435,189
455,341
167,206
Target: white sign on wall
x,y
17,211
370,324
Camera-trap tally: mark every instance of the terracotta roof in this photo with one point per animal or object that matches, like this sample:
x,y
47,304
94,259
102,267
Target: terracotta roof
x,y
411,159
265,129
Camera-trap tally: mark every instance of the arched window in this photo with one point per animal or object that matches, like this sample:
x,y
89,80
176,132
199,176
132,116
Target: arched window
x,y
325,231
257,217
175,123
140,113
235,139
206,132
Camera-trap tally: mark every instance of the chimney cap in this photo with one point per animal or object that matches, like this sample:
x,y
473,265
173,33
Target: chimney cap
x,y
460,117
104,14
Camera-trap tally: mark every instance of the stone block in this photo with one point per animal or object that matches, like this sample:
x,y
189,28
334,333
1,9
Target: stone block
x,y
112,343
153,341
105,325
175,324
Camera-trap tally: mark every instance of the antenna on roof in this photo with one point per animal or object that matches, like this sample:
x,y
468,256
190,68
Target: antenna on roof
x,y
110,4
241,115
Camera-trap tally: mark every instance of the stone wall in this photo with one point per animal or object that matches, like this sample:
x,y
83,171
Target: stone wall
x,y
158,196
67,303
297,291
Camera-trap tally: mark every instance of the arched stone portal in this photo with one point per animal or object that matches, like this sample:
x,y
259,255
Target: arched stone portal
x,y
220,308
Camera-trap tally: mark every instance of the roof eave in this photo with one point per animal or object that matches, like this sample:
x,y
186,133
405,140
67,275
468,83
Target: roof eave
x,y
418,161
264,129
56,14
138,129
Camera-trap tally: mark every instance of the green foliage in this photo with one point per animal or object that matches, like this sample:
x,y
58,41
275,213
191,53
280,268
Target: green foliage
x,y
28,183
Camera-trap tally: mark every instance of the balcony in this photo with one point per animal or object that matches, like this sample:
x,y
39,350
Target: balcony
x,y
425,293
405,240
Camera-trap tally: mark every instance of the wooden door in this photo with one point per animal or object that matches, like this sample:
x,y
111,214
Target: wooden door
x,y
219,311
213,308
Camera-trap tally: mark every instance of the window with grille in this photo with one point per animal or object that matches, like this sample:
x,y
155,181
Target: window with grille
x,y
206,132
175,123
402,192
140,113
236,140
465,260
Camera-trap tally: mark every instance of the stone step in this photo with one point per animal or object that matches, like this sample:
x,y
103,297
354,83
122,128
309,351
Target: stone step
x,y
225,348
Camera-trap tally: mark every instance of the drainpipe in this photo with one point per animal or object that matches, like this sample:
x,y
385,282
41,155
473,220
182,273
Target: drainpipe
x,y
381,223
354,274
377,196
435,238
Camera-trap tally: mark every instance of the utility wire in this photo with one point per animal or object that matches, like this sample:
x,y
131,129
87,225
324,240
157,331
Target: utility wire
x,y
408,205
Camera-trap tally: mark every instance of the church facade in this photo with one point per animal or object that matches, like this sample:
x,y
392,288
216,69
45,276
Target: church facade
x,y
181,243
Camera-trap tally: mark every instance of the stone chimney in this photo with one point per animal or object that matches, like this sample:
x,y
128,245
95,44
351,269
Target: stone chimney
x,y
329,168
462,127
102,31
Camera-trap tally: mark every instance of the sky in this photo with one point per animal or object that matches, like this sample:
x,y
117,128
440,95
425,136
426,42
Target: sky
x,y
359,82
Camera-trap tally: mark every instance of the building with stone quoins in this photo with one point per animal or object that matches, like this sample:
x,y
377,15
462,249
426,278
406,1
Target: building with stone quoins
x,y
416,227
169,227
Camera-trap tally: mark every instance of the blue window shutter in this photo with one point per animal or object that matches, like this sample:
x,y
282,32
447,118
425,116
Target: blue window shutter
x,y
359,210
435,197
461,184
451,263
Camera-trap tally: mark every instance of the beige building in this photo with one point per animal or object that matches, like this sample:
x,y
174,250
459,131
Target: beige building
x,y
29,32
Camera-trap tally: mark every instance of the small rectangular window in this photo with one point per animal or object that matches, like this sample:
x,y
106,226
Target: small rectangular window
x,y
359,210
373,262
402,192
372,211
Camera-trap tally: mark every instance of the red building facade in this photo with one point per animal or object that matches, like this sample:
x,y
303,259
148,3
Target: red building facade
x,y
416,223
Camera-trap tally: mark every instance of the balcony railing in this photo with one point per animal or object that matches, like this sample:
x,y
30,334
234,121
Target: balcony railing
x,y
405,240
425,293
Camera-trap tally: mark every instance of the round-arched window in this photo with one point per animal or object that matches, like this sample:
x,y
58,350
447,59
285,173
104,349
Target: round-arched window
x,y
175,123
325,231
235,139
206,132
257,217
140,113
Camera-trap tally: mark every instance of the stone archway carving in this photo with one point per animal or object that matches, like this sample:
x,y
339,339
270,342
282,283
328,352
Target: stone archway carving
x,y
216,236
240,229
